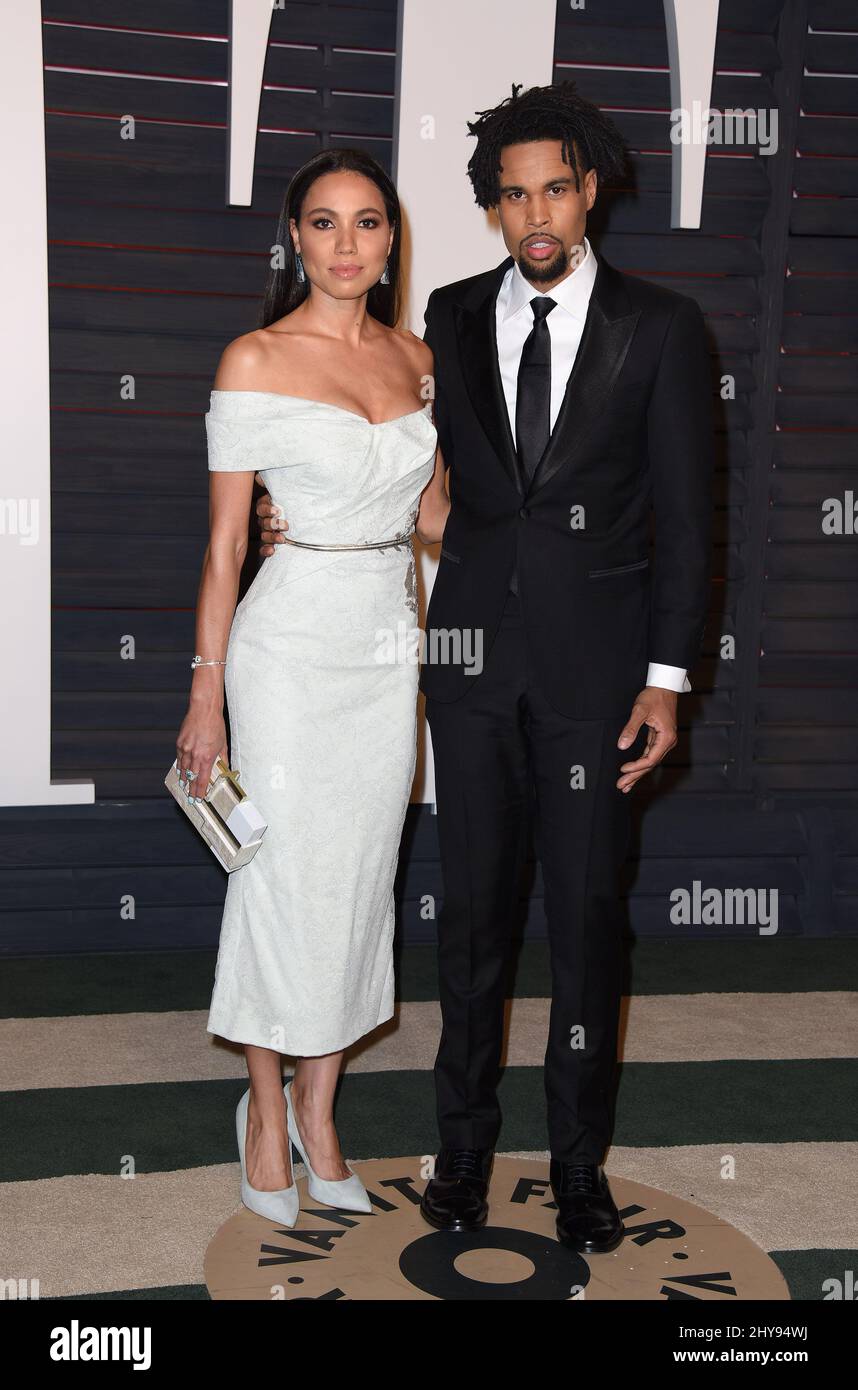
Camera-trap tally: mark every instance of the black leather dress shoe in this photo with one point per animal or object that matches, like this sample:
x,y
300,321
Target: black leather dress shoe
x,y
456,1199
587,1216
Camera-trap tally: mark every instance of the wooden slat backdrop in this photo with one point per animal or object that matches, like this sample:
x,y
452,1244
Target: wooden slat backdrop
x,y
809,649
151,275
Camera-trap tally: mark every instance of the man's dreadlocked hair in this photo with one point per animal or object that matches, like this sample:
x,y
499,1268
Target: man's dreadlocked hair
x,y
544,113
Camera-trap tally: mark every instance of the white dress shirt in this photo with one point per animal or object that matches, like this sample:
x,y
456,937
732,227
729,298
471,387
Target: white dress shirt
x,y
513,323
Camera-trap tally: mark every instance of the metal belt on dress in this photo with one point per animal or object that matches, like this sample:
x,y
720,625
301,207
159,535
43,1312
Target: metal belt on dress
x,y
369,545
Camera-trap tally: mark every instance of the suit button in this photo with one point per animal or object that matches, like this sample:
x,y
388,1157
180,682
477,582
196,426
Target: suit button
x,y
524,513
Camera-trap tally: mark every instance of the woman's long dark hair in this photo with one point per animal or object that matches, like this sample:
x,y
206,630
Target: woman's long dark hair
x,y
284,291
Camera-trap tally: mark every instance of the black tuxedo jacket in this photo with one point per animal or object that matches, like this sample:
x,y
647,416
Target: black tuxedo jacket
x,y
628,469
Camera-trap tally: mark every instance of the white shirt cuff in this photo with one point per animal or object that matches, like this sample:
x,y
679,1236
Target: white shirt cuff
x,y
668,677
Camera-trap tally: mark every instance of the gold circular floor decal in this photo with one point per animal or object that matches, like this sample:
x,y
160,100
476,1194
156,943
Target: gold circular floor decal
x,y
672,1249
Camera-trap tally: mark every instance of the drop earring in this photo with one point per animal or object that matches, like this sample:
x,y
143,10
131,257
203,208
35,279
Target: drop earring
x,y
299,266
385,274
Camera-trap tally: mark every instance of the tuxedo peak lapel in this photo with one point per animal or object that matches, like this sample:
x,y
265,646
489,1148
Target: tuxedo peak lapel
x,y
477,337
605,341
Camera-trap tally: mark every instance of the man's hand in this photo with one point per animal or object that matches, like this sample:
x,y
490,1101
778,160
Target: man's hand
x,y
271,522
656,708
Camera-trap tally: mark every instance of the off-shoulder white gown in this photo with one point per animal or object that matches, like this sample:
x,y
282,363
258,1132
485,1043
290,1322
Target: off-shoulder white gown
x,y
321,692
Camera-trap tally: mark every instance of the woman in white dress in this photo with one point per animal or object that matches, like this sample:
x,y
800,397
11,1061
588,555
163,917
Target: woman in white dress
x,y
330,403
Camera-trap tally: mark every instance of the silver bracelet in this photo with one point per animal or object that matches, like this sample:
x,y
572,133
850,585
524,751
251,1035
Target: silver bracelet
x,y
198,661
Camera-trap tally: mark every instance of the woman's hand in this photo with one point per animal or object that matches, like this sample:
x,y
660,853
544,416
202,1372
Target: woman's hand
x,y
201,739
434,505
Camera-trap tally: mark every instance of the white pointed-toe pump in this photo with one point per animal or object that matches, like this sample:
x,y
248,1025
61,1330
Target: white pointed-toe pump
x,y
281,1205
349,1194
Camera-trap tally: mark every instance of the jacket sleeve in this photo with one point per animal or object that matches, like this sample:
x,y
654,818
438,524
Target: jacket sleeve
x,y
432,337
681,453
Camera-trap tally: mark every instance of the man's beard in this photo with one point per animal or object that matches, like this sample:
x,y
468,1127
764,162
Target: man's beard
x,y
538,271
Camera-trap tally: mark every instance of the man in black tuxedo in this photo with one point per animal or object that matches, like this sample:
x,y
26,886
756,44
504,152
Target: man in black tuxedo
x,y
570,401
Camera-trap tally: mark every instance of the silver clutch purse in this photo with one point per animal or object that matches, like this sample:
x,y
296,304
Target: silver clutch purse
x,y
226,817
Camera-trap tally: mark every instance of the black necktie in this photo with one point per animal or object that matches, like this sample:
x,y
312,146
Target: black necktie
x,y
533,399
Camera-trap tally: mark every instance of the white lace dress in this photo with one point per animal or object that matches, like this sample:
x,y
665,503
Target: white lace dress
x,y
321,689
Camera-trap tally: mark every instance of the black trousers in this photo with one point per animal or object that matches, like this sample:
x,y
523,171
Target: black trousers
x,y
499,748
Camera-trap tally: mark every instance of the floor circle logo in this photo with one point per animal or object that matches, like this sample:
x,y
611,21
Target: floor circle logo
x,y
672,1249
